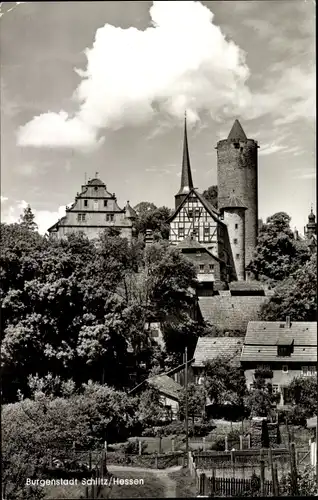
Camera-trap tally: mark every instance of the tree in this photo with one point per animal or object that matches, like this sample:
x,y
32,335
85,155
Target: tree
x,y
153,218
224,381
150,410
196,402
27,219
260,400
277,253
296,296
302,393
211,195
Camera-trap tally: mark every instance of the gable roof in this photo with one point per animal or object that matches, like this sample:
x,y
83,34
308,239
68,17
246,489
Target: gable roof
x,y
243,286
269,332
191,243
209,348
207,205
166,385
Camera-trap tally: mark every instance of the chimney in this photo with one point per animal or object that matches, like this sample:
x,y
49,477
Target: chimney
x,y
149,237
287,321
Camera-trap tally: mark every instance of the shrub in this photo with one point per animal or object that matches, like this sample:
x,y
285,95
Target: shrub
x,y
132,447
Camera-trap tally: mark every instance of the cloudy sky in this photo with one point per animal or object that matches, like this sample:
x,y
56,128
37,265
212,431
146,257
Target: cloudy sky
x,y
102,87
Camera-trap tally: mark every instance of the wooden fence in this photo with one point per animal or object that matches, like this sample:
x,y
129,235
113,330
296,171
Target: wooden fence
x,y
217,486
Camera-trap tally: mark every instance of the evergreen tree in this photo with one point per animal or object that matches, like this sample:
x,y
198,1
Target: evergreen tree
x,y
27,219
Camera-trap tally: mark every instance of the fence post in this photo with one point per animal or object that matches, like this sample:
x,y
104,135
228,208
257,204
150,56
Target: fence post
x,y
249,441
204,444
160,438
276,479
233,462
294,469
139,447
262,472
156,461
270,459
226,443
241,441
173,444
90,461
202,484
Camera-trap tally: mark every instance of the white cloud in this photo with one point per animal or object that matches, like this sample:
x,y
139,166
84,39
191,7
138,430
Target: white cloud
x,y
3,199
131,74
43,218
268,149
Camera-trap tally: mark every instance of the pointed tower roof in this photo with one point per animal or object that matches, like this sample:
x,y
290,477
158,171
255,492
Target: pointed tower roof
x,y
237,132
130,212
186,176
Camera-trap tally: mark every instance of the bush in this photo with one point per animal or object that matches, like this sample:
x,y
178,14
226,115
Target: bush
x,y
132,447
201,429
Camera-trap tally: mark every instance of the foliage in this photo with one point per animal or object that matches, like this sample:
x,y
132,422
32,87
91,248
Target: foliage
x,y
27,219
278,254
260,400
211,194
306,481
151,217
196,401
132,447
224,381
150,410
295,296
302,393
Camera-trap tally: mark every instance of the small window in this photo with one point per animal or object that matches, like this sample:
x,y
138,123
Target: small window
x,y
304,370
105,203
95,204
201,267
275,388
85,203
235,241
206,231
285,369
211,267
81,217
237,256
109,217
190,214
236,226
181,232
197,212
283,351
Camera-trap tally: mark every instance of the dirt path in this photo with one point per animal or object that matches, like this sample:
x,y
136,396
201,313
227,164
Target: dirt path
x,y
161,474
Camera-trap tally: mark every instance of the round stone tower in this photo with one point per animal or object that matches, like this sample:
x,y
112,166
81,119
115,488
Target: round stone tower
x,y
234,218
237,179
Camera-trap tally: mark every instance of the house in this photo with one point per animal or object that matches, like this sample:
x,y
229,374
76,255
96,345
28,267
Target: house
x,y
209,348
94,210
286,349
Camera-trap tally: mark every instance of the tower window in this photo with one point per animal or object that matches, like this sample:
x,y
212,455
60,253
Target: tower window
x,y
237,256
109,217
235,241
85,203
81,217
95,204
105,203
236,226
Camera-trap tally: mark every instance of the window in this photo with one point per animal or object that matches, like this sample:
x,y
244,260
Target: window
x,y
95,204
237,256
275,388
109,217
197,212
201,267
105,203
81,217
308,371
284,350
235,241
190,213
236,226
85,203
206,231
181,232
285,369
211,267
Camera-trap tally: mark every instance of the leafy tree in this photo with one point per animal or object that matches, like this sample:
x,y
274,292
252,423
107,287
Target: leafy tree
x,y
151,217
295,296
224,381
260,400
27,219
196,402
150,410
277,253
302,393
211,194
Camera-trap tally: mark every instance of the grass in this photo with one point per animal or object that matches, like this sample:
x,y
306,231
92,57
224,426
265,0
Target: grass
x,y
152,487
186,487
64,492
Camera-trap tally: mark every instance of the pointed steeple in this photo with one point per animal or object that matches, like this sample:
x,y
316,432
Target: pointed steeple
x,y
186,176
237,133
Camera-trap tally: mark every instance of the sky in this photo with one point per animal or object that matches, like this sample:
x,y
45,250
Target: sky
x,y
102,87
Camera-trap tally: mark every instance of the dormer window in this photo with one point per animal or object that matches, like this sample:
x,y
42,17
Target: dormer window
x,y
284,350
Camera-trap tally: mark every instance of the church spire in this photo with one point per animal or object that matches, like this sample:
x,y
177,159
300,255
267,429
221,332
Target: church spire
x,y
186,176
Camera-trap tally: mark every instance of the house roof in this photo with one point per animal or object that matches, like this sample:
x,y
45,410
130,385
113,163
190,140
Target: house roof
x,y
191,243
207,205
165,385
130,212
209,348
96,182
269,332
263,337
